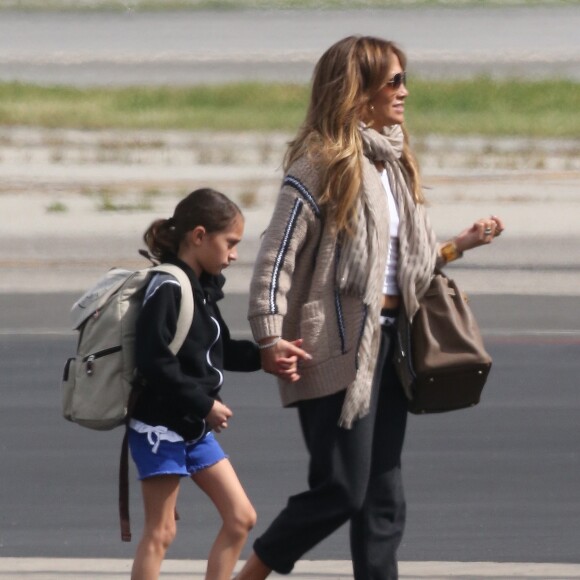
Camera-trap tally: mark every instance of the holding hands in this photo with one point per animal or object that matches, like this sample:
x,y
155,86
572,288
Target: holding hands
x,y
280,357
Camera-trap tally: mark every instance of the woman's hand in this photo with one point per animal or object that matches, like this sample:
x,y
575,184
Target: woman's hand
x,y
482,232
218,416
282,358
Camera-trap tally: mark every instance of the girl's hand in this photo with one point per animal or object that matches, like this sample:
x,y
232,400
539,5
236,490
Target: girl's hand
x,y
282,359
482,232
218,416
287,366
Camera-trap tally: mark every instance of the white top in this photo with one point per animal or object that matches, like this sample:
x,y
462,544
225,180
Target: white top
x,y
390,285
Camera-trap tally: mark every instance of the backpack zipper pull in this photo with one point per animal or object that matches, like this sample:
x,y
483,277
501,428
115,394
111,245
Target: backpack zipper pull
x,y
91,365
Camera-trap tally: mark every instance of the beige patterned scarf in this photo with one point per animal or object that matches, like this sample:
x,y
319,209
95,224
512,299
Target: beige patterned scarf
x,y
362,257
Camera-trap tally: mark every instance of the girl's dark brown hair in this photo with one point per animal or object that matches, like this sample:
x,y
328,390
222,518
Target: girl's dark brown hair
x,y
203,207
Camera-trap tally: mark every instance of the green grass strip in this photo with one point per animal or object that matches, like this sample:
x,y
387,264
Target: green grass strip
x,y
547,108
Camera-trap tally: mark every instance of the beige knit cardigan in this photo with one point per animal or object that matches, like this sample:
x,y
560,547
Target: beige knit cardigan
x,y
294,294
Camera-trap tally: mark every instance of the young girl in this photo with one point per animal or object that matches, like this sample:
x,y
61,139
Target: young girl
x,y
178,408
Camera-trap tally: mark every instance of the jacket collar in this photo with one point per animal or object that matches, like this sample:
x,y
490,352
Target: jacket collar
x,y
207,285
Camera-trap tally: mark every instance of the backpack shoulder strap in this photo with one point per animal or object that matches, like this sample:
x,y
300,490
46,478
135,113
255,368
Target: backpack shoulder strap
x,y
186,309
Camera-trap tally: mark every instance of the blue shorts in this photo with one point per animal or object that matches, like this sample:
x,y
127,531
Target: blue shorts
x,y
172,455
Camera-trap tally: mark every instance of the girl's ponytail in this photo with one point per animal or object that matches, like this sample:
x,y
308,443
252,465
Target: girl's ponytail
x,y
161,239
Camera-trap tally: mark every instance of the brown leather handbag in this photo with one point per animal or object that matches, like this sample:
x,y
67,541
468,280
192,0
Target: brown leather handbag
x,y
440,358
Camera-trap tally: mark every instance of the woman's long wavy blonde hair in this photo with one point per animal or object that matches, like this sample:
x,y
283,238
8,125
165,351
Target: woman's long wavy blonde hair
x,y
345,79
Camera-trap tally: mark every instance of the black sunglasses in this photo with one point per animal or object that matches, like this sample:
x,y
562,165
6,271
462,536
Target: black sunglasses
x,y
398,80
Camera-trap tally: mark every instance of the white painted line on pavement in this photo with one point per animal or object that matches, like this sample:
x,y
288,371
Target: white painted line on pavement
x,y
529,332
474,570
245,333
93,568
35,332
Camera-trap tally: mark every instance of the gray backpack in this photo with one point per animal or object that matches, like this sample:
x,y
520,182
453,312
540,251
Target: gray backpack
x,y
97,382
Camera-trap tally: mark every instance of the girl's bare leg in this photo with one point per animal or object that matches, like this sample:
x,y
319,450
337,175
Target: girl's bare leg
x,y
254,569
159,500
223,487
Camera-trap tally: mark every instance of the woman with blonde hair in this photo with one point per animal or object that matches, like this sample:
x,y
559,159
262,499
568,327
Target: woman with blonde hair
x,y
348,250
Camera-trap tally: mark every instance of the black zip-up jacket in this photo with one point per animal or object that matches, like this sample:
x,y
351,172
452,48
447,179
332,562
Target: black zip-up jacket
x,y
179,391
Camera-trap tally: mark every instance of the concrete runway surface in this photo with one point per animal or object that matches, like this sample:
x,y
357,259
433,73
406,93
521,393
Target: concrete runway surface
x,y
133,47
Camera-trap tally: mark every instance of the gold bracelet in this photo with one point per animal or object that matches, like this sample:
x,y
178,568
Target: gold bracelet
x,y
449,252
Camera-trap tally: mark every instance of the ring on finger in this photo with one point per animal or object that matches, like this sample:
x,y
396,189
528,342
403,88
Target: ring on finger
x,y
487,231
